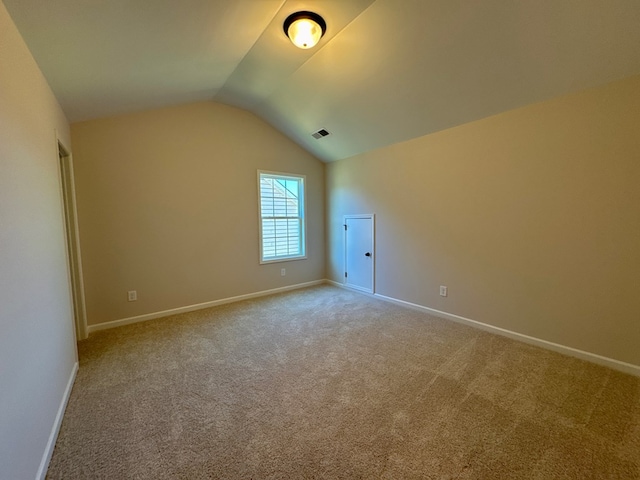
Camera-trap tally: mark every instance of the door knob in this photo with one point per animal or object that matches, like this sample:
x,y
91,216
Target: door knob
x,y
368,254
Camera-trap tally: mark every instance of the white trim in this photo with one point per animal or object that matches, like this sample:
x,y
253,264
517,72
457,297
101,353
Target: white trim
x,y
556,347
618,365
78,251
53,436
76,288
198,306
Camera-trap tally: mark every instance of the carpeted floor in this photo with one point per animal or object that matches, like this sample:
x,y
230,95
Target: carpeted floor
x,y
328,383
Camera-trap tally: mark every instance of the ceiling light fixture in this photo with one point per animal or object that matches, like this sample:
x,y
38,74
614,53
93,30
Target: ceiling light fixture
x,y
304,29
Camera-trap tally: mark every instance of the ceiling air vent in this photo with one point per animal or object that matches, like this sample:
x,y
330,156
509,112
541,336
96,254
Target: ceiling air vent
x,y
319,134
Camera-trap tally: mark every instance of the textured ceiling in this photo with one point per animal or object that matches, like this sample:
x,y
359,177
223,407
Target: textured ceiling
x,y
385,72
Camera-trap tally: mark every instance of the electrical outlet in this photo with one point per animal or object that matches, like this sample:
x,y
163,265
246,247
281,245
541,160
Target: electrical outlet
x,y
132,295
444,291
283,271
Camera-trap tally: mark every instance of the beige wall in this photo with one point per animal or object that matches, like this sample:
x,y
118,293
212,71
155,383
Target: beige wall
x,y
168,204
37,343
531,218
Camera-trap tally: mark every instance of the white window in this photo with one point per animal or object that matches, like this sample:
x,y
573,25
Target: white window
x,y
282,226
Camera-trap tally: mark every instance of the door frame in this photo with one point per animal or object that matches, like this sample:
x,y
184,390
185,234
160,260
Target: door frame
x,y
372,217
72,239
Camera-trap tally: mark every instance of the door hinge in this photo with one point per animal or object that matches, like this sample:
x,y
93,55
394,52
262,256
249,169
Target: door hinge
x,y
345,274
345,227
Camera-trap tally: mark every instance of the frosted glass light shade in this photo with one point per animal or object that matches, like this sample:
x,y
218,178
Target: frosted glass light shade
x,y
304,29
305,33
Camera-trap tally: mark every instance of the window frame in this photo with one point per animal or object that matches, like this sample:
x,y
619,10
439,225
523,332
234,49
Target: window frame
x,y
302,209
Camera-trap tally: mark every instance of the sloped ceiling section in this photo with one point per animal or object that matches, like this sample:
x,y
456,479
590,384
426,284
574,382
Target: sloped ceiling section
x,y
103,58
385,72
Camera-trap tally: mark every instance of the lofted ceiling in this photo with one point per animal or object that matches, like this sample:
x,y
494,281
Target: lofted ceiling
x,y
385,72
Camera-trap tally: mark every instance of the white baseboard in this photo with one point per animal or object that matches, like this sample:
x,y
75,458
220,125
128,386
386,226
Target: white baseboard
x,y
53,436
199,306
556,347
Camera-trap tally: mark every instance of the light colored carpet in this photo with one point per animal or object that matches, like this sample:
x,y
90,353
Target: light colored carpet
x,y
328,383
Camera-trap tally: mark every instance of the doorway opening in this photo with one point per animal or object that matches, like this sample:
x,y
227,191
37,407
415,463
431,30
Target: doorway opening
x,y
72,238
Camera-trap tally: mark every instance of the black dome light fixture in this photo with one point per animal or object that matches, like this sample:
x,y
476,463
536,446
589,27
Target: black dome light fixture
x,y
304,29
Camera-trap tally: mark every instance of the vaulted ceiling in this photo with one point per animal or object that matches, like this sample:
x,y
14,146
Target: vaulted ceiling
x,y
385,72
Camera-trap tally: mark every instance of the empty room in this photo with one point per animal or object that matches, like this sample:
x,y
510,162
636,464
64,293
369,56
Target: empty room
x,y
282,239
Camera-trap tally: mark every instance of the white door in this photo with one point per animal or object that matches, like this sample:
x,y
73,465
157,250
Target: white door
x,y
359,252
